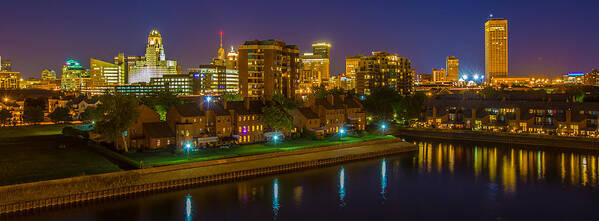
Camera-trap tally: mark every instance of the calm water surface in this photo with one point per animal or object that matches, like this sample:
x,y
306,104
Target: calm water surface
x,y
443,180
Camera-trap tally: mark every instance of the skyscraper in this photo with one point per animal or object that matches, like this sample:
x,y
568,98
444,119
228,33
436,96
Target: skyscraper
x,y
351,65
9,80
48,74
74,77
452,67
5,65
105,76
218,78
155,63
439,75
384,69
268,67
315,66
496,48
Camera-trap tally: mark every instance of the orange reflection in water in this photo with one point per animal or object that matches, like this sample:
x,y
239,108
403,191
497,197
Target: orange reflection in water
x,y
509,166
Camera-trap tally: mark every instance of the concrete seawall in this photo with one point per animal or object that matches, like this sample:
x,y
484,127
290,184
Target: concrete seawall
x,y
76,190
532,140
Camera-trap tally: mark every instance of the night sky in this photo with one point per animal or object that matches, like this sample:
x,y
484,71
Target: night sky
x,y
551,37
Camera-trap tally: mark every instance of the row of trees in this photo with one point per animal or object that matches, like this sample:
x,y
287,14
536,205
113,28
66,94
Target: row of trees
x,y
385,104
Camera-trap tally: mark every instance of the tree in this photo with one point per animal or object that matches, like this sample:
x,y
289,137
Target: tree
x,y
228,96
5,116
161,102
490,92
90,114
382,103
276,118
321,92
577,93
286,103
60,114
33,114
34,110
118,113
410,107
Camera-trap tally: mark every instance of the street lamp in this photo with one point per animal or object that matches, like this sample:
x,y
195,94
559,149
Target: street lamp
x,y
187,147
275,138
341,133
383,127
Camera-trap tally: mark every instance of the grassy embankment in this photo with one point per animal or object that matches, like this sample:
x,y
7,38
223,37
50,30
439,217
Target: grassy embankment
x,y
32,153
161,158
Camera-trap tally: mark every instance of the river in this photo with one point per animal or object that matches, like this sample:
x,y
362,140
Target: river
x,y
443,180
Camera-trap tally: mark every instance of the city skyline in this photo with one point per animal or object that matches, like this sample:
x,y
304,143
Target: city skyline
x,y
535,45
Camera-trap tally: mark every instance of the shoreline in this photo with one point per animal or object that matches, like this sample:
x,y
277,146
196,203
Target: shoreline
x,y
77,190
530,140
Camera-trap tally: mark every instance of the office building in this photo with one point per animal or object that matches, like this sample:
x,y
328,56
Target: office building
x,y
5,65
316,64
384,69
105,75
155,63
127,62
48,74
268,67
351,65
74,76
9,80
342,82
452,69
219,77
573,78
592,78
439,75
215,80
496,49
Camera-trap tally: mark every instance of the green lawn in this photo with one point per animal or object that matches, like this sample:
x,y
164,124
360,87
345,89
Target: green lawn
x,y
35,158
162,158
37,130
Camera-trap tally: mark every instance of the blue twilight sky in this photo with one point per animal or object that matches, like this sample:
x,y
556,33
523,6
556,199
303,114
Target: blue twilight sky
x,y
549,37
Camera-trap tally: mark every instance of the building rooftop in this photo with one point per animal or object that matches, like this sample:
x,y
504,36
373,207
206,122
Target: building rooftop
x,y
189,110
158,130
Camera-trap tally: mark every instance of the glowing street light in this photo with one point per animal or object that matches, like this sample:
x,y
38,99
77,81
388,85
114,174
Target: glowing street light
x,y
383,126
341,133
275,138
208,99
476,77
187,147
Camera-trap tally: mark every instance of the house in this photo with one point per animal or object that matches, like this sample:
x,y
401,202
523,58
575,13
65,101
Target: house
x,y
306,119
80,104
136,135
246,117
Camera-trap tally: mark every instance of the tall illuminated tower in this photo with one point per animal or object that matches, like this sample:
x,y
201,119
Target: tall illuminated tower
x,y
155,64
496,48
221,51
154,49
452,67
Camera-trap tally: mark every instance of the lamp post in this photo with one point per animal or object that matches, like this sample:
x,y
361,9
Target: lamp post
x,y
341,133
187,147
383,127
275,138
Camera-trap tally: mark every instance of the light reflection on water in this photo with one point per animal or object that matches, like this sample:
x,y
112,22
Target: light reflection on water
x,y
510,166
384,178
436,182
342,187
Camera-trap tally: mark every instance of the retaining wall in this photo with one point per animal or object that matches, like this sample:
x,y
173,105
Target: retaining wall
x,y
76,190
